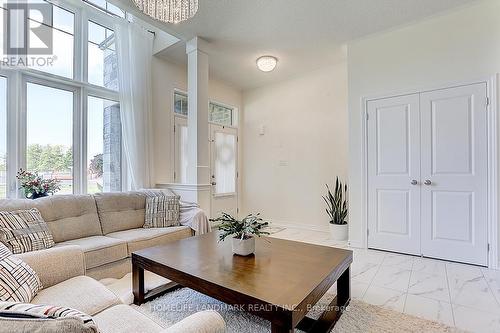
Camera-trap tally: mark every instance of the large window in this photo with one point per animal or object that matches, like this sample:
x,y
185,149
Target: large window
x,y
49,151
107,7
3,137
103,146
102,61
69,121
62,28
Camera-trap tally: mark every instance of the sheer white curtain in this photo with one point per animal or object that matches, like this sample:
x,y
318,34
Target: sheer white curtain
x,y
135,50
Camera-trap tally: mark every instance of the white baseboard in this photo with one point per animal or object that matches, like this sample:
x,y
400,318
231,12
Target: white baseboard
x,y
286,224
356,244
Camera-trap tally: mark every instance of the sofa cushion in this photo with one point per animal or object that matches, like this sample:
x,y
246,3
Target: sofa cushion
x,y
26,317
24,231
67,216
47,263
123,318
120,211
99,250
81,293
140,238
18,281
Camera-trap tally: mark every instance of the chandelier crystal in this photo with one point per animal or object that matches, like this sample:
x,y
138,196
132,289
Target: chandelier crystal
x,y
170,11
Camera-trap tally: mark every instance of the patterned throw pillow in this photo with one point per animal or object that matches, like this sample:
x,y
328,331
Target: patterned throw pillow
x,y
162,209
24,231
24,313
18,281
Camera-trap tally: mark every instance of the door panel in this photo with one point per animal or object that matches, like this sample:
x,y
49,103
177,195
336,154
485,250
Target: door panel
x,y
454,161
393,162
224,166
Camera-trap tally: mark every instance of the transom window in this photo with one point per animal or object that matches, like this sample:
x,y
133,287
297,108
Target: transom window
x,y
217,113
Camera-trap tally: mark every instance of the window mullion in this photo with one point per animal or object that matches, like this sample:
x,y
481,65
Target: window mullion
x,y
79,43
84,33
19,123
83,140
14,130
77,141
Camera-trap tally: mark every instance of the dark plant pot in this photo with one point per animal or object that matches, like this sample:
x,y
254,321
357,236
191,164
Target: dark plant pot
x,y
38,195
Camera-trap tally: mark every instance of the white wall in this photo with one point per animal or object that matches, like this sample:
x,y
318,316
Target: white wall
x,y
167,77
304,146
457,47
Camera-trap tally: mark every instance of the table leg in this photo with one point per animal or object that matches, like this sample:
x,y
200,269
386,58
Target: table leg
x,y
138,283
344,288
275,328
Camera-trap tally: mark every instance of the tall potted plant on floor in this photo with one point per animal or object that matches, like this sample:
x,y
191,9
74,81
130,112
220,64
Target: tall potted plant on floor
x,y
336,208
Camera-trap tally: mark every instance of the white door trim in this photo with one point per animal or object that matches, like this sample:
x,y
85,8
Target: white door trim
x,y
491,93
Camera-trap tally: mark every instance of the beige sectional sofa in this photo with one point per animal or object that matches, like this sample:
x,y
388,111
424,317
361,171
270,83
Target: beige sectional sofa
x,y
94,236
106,226
61,271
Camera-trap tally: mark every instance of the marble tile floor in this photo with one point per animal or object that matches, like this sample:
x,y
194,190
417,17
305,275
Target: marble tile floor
x,y
464,296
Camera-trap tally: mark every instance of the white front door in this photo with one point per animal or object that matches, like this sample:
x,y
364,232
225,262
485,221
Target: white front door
x,y
454,174
394,174
224,168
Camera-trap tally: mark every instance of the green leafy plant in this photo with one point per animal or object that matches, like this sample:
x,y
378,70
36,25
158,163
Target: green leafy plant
x,y
336,203
251,225
35,186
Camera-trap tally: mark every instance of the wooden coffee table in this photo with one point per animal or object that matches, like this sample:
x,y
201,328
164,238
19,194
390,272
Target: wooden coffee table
x,y
280,283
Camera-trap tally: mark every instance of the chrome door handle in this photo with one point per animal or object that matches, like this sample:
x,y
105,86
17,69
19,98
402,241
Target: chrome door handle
x,y
427,182
414,182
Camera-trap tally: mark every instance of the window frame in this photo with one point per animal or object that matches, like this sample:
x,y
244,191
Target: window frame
x,y
18,78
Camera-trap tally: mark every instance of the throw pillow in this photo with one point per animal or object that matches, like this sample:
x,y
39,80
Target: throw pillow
x,y
24,317
18,281
24,231
162,209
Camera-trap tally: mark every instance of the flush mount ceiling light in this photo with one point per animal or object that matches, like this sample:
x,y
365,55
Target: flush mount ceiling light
x,y
267,63
170,11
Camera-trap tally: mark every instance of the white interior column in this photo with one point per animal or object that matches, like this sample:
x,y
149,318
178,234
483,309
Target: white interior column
x,y
198,129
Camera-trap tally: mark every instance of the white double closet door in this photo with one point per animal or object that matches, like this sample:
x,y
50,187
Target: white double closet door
x,y
427,174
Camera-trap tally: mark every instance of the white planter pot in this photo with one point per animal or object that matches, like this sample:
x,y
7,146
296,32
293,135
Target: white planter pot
x,y
338,231
243,247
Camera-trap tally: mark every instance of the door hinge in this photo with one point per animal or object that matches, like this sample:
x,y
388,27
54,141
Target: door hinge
x,y
175,176
237,210
487,101
368,232
174,128
237,139
367,116
237,174
489,247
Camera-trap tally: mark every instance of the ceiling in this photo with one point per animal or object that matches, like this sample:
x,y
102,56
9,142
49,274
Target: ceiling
x,y
303,34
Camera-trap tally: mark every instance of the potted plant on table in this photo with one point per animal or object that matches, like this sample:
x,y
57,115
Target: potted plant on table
x,y
35,186
243,231
336,208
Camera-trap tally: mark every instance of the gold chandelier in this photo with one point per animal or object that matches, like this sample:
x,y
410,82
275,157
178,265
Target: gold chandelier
x,y
170,11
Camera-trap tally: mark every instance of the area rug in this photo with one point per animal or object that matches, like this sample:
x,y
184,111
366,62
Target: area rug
x,y
359,317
